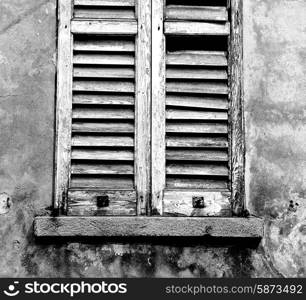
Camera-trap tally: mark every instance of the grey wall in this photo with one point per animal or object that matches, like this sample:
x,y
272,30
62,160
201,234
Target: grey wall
x,y
275,89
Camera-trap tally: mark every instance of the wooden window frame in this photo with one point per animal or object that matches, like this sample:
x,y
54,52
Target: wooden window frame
x,y
149,89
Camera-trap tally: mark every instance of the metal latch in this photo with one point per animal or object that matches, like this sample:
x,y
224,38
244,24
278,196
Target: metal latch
x,y
198,202
103,201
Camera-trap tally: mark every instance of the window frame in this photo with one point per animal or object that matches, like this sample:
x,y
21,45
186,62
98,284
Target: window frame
x,y
143,224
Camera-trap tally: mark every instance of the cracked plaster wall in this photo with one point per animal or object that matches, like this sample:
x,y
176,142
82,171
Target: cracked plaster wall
x,y
275,89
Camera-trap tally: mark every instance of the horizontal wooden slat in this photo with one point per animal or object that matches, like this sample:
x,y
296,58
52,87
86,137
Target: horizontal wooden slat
x,y
103,72
184,114
196,28
198,127
203,142
196,155
87,12
197,58
189,101
104,59
89,154
104,182
102,113
104,27
195,183
176,73
98,168
105,2
102,141
84,203
106,44
204,13
122,127
197,87
197,169
144,226
103,99
104,86
180,203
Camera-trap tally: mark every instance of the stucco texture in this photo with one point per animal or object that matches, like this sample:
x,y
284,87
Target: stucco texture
x,y
275,111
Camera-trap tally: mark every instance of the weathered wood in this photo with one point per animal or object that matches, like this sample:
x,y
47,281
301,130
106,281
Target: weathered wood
x,y
105,182
236,109
203,13
87,12
144,226
105,2
102,168
196,155
197,169
102,141
103,113
158,107
184,114
195,87
103,72
85,203
220,103
196,73
104,86
197,58
109,27
196,28
89,154
103,99
104,59
109,127
204,142
179,203
107,44
199,183
64,104
196,127
143,108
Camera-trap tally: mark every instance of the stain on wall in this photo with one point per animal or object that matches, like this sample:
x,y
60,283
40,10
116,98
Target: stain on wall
x,y
275,75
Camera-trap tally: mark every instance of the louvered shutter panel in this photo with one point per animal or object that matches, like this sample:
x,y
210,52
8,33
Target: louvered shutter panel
x,y
194,154
108,90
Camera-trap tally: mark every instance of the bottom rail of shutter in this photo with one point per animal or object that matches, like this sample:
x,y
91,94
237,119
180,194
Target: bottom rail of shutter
x,y
101,203
195,203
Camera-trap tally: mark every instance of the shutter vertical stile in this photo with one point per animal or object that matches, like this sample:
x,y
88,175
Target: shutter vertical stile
x,y
63,109
196,109
158,107
104,101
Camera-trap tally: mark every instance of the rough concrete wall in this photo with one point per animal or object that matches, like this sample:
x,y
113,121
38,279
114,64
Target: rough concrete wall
x,y
275,89
275,68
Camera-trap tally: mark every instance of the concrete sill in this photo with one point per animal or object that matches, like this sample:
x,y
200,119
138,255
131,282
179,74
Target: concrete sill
x,y
148,227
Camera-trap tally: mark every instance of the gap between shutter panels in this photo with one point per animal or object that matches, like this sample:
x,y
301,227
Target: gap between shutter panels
x,y
104,9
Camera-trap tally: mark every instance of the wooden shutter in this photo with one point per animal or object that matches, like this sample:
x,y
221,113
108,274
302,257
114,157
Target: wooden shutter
x,y
149,112
191,133
105,109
